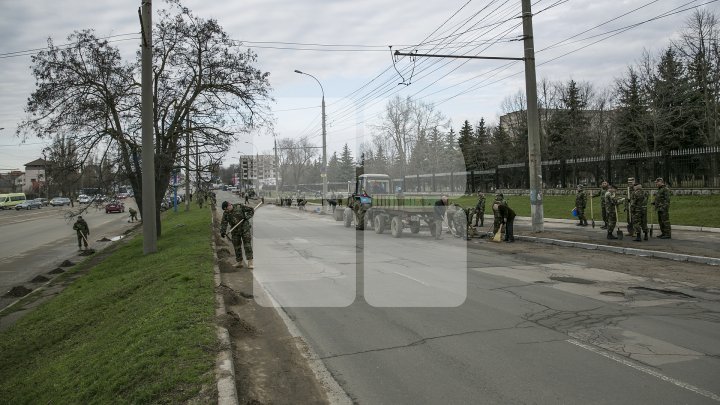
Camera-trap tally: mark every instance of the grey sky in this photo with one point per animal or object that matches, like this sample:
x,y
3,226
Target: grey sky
x,y
27,25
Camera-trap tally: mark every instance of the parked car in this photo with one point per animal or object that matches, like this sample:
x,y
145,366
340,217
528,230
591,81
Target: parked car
x,y
121,196
43,201
28,204
84,199
59,201
114,206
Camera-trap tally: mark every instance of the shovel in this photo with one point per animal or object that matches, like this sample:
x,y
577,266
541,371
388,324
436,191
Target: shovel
x,y
619,231
241,221
592,214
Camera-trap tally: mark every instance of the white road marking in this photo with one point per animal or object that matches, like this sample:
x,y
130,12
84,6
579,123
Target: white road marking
x,y
411,278
645,370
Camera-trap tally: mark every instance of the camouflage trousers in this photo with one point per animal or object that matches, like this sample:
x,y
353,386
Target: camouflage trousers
x,y
242,240
664,222
479,217
82,239
611,220
581,214
639,220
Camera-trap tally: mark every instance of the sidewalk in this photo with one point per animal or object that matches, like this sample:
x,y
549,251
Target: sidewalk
x,y
694,244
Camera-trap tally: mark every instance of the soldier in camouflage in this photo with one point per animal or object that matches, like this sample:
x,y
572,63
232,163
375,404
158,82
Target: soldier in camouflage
x,y
460,221
603,206
662,206
480,209
83,231
242,234
611,203
580,204
638,211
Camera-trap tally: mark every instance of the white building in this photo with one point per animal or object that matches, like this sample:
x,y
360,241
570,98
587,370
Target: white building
x,y
257,171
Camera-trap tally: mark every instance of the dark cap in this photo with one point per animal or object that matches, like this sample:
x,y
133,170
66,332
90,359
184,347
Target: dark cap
x,y
224,205
659,179
79,216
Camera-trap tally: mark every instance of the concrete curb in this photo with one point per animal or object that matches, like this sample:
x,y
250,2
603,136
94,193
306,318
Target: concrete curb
x,y
623,250
572,221
224,369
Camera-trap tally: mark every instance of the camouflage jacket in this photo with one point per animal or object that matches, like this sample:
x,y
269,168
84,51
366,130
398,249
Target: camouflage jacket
x,y
662,199
480,206
238,213
581,200
601,193
81,226
496,208
638,200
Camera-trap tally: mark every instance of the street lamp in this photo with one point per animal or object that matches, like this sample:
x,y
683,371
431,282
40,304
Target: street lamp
x,y
323,170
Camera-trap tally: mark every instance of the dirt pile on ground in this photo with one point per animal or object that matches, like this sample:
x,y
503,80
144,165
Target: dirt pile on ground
x,y
67,263
18,291
39,279
237,326
87,252
57,270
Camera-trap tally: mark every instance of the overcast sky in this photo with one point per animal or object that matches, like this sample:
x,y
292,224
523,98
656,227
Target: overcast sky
x,y
460,88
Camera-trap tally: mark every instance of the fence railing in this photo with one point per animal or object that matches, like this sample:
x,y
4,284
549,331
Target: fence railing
x,y
697,168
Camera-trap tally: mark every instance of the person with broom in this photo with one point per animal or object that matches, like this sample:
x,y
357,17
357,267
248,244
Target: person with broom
x,y
83,231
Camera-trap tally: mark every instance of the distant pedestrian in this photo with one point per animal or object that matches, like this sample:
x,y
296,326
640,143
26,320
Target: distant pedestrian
x,y
580,204
200,199
247,198
662,206
439,211
83,232
133,214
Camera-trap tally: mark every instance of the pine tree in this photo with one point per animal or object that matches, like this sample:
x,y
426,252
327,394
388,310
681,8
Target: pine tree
x,y
631,117
466,143
346,165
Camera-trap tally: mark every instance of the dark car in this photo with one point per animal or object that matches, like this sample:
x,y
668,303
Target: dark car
x,y
28,204
114,206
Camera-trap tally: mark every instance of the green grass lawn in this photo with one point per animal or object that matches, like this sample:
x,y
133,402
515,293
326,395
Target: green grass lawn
x,y
136,329
684,210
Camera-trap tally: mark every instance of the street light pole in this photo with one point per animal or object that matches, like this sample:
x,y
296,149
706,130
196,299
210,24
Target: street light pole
x,y
323,172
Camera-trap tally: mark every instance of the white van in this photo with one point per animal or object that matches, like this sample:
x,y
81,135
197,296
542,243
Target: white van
x,y
8,201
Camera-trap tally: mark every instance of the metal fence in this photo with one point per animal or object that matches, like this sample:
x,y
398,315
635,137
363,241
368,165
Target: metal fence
x,y
686,169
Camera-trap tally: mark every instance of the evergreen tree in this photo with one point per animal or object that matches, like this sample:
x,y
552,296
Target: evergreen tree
x,y
482,142
346,165
333,173
466,143
631,116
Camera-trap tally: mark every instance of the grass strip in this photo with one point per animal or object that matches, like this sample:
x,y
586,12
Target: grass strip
x,y
136,329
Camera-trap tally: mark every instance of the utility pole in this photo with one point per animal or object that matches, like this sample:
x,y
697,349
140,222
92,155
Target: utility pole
x,y
534,162
277,168
323,169
187,163
148,147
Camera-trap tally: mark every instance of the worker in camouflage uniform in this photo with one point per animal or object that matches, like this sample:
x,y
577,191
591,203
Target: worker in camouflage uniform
x,y
498,218
662,206
612,201
460,221
242,234
480,209
603,206
638,213
580,204
83,231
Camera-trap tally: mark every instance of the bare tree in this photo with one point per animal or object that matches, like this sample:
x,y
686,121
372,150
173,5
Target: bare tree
x,y
199,73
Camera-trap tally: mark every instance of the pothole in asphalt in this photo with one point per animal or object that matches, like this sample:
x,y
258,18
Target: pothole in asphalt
x,y
575,280
613,293
662,291
18,291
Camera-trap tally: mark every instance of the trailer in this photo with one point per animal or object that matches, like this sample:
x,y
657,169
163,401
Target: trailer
x,y
375,205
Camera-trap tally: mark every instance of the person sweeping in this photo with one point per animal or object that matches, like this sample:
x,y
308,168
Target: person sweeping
x,y
83,231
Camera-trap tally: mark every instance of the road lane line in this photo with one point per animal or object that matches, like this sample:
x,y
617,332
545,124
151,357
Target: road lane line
x,y
411,278
645,370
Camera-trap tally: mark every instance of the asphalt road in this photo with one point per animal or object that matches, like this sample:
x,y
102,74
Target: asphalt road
x,y
35,242
414,321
